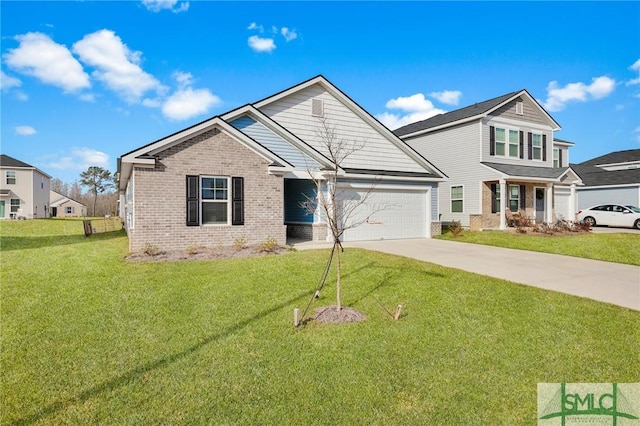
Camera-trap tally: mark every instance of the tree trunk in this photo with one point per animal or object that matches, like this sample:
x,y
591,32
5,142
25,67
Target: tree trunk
x,y
338,281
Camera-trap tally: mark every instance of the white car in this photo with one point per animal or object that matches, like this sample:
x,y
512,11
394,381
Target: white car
x,y
611,215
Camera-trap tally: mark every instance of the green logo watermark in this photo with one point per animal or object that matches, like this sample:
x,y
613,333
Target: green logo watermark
x,y
616,404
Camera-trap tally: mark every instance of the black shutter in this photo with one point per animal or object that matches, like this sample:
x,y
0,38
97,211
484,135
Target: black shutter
x,y
492,140
193,201
523,198
494,201
559,157
544,147
521,144
530,145
237,201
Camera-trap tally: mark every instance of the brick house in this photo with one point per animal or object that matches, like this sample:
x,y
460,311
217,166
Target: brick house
x,y
243,175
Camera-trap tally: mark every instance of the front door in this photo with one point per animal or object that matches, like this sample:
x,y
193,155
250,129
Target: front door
x,y
54,212
540,202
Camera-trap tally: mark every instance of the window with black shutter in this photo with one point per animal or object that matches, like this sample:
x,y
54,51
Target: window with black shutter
x,y
521,144
237,207
544,147
492,140
523,198
495,198
193,200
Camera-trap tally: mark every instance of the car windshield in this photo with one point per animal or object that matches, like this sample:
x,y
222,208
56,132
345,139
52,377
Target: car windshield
x,y
633,209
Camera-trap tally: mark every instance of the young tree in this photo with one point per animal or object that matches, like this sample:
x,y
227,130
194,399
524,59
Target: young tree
x,y
98,180
334,203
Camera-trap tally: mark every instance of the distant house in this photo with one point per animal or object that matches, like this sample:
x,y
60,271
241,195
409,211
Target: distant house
x,y
498,154
63,206
24,190
611,178
243,175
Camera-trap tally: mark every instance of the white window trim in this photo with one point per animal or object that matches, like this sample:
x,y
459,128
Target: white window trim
x,y
451,199
520,108
511,199
556,158
227,201
506,141
14,177
533,147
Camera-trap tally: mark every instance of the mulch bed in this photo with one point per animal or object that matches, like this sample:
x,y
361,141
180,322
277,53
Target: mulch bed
x,y
329,314
203,253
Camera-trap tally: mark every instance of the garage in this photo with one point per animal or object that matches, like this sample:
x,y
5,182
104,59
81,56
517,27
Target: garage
x,y
387,214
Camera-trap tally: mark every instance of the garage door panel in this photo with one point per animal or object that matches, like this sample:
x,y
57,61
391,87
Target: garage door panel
x,y
393,214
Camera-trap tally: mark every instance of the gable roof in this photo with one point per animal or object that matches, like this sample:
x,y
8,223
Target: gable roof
x,y
60,199
469,113
10,162
592,175
144,156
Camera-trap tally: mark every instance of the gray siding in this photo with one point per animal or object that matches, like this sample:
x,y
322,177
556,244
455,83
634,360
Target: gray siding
x,y
526,128
588,197
457,153
294,113
531,112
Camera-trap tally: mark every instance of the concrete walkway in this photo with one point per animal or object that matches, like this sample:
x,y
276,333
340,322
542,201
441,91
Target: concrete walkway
x,y
608,282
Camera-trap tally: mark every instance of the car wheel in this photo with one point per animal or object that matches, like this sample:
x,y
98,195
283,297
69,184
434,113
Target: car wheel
x,y
590,221
637,224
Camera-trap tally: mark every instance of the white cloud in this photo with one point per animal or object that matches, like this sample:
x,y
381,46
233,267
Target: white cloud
x,y
259,44
187,102
25,131
635,67
159,5
448,97
288,34
184,79
81,159
40,57
254,26
417,108
7,82
116,65
558,97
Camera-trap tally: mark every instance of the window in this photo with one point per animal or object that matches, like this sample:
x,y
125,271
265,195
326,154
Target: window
x,y
514,143
457,198
15,205
501,138
69,210
215,200
556,157
514,197
495,198
11,177
536,143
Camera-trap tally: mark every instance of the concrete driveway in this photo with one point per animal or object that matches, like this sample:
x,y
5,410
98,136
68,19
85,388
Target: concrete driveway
x,y
607,282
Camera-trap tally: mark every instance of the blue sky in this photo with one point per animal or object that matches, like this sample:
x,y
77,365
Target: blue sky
x,y
85,82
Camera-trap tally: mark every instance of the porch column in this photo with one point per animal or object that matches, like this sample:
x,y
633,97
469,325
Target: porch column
x,y
572,203
549,201
503,204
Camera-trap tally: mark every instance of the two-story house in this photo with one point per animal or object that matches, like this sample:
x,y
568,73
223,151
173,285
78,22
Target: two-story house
x,y
24,190
498,154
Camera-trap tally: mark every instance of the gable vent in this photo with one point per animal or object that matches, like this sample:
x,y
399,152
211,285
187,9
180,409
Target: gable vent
x,y
520,108
317,108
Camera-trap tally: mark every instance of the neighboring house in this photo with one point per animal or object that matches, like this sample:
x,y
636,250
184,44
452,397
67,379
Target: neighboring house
x,y
613,178
498,154
24,190
242,176
63,206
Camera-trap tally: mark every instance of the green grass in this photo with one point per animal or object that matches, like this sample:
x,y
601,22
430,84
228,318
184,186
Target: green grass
x,y
89,338
618,247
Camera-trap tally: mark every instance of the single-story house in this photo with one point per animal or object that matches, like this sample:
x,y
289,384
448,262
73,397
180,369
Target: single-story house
x,y
612,178
63,206
245,175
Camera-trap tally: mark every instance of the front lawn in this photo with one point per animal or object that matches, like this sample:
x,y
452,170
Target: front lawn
x,y
89,338
618,248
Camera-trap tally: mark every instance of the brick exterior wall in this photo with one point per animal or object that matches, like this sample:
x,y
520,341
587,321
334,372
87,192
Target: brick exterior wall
x,y
492,220
160,196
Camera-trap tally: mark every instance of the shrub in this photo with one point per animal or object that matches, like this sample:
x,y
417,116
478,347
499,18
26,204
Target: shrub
x,y
151,250
240,243
193,250
270,245
455,227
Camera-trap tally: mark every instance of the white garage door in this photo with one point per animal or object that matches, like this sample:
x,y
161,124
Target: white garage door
x,y
392,214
